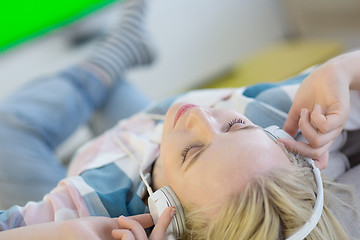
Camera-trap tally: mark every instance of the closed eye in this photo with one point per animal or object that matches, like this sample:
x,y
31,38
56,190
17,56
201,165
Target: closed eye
x,y
185,152
233,122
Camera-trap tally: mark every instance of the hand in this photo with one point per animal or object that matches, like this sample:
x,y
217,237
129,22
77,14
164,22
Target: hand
x,y
132,228
320,109
125,228
92,228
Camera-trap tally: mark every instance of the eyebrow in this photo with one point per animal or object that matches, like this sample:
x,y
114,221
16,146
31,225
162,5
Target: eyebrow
x,y
197,155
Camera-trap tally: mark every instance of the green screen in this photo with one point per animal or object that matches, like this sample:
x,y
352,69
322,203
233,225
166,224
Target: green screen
x,y
21,20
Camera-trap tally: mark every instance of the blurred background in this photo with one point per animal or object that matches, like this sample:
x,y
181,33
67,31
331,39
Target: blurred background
x,y
200,43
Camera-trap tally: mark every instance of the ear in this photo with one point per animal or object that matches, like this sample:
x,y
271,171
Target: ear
x,y
162,199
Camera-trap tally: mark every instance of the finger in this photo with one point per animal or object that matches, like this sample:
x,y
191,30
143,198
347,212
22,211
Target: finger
x,y
145,220
159,231
320,156
306,128
291,125
318,119
323,161
132,225
304,149
318,140
311,134
337,114
335,121
328,122
123,234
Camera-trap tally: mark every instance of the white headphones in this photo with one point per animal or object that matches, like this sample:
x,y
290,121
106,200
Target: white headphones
x,y
165,197
158,202
275,133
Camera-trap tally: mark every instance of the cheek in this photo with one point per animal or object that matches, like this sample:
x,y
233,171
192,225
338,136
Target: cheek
x,y
168,162
171,149
189,190
200,191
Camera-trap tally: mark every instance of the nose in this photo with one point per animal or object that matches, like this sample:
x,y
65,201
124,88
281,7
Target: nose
x,y
201,121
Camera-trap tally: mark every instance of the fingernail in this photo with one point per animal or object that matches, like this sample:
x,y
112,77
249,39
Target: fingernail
x,y
172,213
303,112
318,108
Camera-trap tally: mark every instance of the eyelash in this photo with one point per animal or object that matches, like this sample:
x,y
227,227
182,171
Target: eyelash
x,y
233,122
194,145
188,148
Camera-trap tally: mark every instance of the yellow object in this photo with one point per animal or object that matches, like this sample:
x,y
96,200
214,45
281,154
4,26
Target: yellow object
x,y
277,63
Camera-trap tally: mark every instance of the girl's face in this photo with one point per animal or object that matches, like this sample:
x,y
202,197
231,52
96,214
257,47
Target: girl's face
x,y
208,154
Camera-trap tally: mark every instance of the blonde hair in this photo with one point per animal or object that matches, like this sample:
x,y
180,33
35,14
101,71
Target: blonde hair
x,y
272,206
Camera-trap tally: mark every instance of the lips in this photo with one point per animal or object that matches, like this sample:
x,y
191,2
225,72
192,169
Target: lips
x,y
182,110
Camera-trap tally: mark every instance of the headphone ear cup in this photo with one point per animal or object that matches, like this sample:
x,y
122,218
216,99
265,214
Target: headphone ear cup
x,y
162,199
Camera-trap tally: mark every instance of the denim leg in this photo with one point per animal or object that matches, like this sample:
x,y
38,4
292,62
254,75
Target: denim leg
x,y
33,122
124,100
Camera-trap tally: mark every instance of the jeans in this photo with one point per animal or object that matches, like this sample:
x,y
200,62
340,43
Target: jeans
x,y
41,115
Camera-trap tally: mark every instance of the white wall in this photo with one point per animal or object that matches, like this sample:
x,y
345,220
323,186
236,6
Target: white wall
x,y
198,39
195,40
330,19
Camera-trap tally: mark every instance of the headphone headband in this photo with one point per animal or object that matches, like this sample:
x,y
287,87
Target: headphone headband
x,y
275,133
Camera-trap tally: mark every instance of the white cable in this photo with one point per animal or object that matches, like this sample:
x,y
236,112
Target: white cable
x,y
152,116
132,157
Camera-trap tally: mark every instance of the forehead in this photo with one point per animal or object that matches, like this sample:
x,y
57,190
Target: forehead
x,y
243,142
